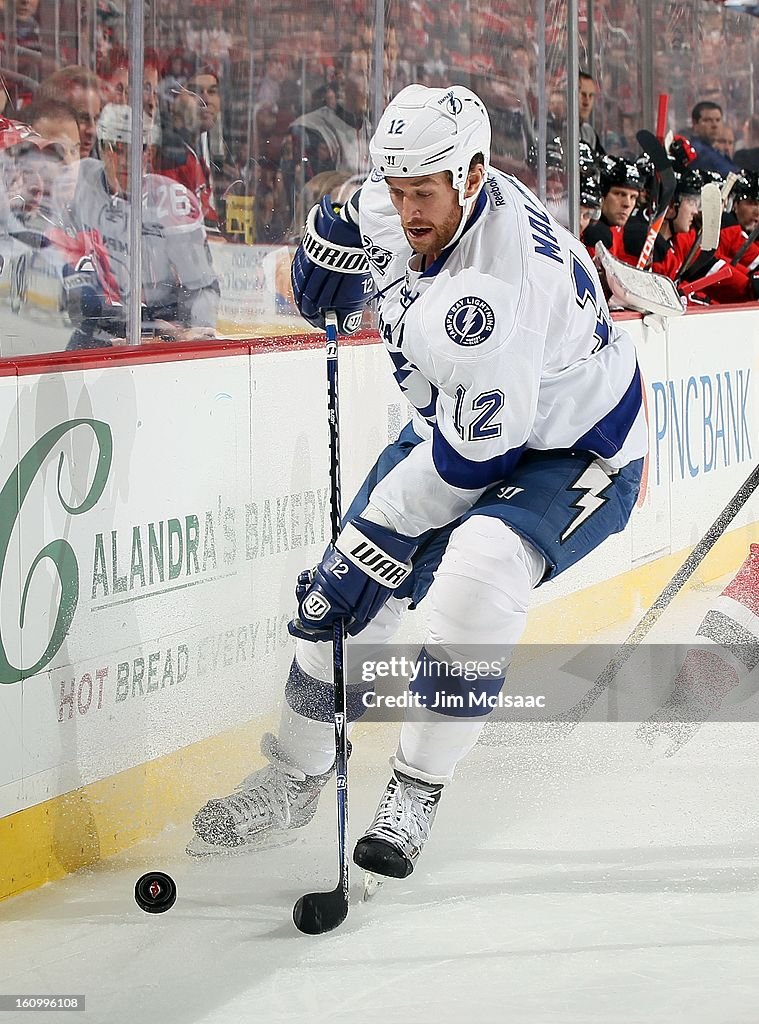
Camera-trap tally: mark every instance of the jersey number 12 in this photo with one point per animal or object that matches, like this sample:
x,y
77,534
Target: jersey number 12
x,y
487,406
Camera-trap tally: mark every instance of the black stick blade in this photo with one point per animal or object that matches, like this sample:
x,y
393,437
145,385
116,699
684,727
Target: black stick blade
x,y
655,149
664,172
319,912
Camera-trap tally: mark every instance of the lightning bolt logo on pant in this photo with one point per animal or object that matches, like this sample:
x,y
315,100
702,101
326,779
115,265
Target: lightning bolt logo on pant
x,y
593,481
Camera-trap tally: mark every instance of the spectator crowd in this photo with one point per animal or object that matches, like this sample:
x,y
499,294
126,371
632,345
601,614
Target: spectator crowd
x,y
240,139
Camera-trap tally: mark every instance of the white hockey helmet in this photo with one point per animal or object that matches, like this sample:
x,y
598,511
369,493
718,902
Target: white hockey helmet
x,y
115,125
424,130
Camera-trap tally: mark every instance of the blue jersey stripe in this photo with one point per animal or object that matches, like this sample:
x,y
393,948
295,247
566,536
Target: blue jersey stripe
x,y
608,435
459,471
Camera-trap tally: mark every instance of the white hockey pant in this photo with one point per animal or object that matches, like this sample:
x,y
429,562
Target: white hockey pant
x,y
476,605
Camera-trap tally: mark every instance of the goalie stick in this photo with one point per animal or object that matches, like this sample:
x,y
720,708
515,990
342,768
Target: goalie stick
x,y
636,289
319,912
667,182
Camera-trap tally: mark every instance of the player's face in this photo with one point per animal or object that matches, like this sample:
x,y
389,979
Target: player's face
x,y
429,208
64,133
683,221
116,157
618,204
150,92
747,212
119,86
587,214
29,184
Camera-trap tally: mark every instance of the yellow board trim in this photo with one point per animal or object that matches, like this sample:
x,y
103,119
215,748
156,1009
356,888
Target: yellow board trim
x,y
78,829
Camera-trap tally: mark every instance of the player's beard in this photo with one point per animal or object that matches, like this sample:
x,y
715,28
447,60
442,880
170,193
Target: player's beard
x,y
437,237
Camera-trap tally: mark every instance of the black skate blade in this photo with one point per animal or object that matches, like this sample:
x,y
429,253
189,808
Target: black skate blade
x,y
381,858
319,912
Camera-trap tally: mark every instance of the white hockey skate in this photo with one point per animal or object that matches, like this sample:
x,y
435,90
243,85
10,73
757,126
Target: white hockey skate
x,y
393,842
263,809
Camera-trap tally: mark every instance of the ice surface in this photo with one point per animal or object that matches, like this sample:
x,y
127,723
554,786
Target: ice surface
x,y
588,881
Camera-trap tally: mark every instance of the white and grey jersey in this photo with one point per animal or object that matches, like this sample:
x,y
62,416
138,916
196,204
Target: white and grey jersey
x,y
177,273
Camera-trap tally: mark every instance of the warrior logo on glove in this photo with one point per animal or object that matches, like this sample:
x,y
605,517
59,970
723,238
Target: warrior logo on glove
x,y
316,607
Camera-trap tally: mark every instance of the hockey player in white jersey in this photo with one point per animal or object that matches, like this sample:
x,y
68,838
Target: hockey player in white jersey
x,y
180,290
524,453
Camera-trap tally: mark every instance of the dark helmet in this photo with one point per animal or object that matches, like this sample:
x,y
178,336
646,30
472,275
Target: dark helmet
x,y
554,154
714,176
689,183
590,192
587,159
616,172
645,166
746,187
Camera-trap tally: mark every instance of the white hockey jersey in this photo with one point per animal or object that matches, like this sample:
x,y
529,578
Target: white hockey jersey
x,y
178,279
505,342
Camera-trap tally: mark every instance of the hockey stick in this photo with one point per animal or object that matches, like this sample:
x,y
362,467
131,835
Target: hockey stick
x,y
318,912
711,223
662,111
707,258
707,281
568,721
560,727
745,247
667,182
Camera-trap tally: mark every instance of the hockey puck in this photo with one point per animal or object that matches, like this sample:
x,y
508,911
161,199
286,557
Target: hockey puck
x,y
155,892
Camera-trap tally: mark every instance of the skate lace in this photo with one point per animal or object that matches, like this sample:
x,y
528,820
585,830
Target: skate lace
x,y
267,793
264,799
409,815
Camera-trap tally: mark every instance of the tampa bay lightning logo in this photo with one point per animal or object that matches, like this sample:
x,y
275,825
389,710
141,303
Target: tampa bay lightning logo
x,y
470,321
377,256
451,103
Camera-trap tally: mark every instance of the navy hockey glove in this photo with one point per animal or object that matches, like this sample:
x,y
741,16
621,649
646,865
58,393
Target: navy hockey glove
x,y
330,269
83,291
353,581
